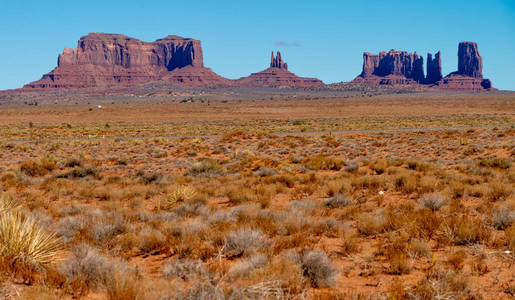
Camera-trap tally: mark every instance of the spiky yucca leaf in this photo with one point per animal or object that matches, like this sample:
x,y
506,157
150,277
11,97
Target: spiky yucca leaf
x,y
23,240
7,203
181,194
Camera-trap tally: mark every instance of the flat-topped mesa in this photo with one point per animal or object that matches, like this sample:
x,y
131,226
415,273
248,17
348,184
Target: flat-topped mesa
x,y
470,62
115,49
102,59
434,68
277,61
393,67
277,75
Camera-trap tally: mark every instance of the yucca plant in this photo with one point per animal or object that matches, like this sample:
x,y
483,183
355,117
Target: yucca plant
x,y
24,244
181,194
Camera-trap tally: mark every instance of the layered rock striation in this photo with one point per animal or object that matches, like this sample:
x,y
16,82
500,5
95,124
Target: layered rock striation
x,y
112,59
277,75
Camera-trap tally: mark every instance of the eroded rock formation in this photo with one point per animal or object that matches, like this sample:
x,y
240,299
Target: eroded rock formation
x,y
110,59
393,67
434,68
470,62
469,76
277,61
277,75
403,68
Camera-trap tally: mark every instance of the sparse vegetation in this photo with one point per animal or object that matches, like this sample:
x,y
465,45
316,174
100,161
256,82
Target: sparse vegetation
x,y
251,208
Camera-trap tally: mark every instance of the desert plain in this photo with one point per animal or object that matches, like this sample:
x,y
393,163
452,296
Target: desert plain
x,y
272,194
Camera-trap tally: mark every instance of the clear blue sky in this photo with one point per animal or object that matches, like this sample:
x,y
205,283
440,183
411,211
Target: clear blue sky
x,y
323,39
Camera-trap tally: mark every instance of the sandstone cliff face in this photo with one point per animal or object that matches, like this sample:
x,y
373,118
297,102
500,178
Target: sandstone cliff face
x,y
470,62
277,75
108,59
434,68
118,50
399,67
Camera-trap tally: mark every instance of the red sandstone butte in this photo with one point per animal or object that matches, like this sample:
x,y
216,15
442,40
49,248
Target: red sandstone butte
x,y
391,68
403,68
277,75
102,59
469,76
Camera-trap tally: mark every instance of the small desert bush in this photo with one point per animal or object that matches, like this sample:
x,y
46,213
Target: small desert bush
x,y
369,224
121,282
406,183
339,201
206,168
73,162
150,239
501,163
457,259
38,168
400,263
380,166
287,273
24,245
184,269
84,270
335,187
80,172
503,216
371,182
498,190
433,201
465,230
264,172
419,248
478,265
323,163
442,284
244,241
418,166
422,223
317,268
149,178
246,265
240,195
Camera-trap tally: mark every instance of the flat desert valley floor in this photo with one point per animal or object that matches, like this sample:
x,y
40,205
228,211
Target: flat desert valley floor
x,y
398,196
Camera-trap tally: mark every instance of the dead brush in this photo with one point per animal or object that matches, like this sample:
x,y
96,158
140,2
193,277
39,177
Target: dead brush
x,y
121,282
244,241
465,230
498,190
419,248
369,224
433,201
442,284
339,201
503,216
317,268
457,260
